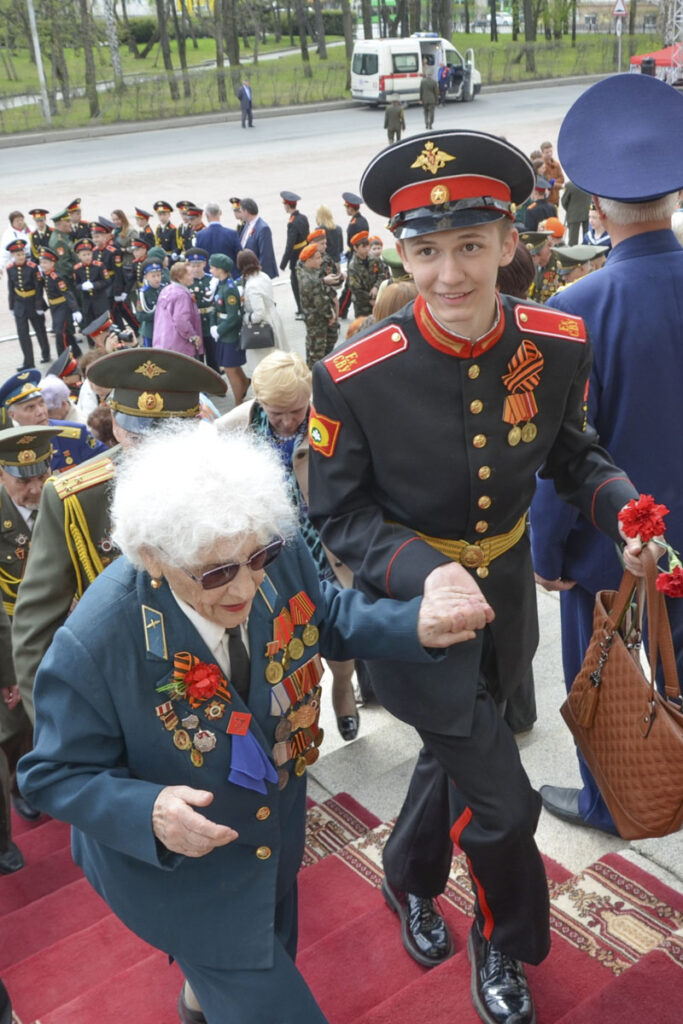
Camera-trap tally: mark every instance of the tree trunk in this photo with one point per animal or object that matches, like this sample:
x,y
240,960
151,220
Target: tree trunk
x,y
320,29
232,41
256,17
290,22
631,16
220,60
446,19
130,38
188,24
303,39
415,15
530,36
90,75
113,40
494,23
467,17
182,49
366,9
166,49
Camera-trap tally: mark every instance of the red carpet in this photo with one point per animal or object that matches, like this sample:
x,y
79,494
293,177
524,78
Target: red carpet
x,y
616,957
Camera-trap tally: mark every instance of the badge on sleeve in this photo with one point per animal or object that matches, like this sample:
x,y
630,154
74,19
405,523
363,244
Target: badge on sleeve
x,y
323,433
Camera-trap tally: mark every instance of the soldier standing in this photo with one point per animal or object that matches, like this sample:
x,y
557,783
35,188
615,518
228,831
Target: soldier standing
x,y
25,296
63,306
202,286
394,121
148,297
90,282
429,97
40,236
62,245
78,228
319,305
365,275
357,222
546,280
142,219
297,232
166,234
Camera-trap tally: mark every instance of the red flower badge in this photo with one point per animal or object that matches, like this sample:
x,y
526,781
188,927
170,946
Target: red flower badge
x,y
671,583
203,680
643,518
195,680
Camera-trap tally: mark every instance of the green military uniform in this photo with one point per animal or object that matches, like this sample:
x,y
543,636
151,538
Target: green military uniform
x,y
147,301
62,243
71,542
12,723
364,275
429,97
317,306
546,279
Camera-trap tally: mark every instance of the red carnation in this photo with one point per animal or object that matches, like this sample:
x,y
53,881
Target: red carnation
x,y
202,681
671,583
643,518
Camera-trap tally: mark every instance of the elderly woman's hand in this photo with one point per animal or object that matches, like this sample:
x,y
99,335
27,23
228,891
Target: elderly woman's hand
x,y
453,607
181,829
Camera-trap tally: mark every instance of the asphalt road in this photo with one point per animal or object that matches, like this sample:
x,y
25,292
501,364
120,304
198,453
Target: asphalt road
x,y
317,154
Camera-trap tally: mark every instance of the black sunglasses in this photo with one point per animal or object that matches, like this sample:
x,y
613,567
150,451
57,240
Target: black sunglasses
x,y
223,574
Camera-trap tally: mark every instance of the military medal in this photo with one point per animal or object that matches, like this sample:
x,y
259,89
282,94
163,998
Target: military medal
x,y
296,648
182,740
190,722
310,635
514,436
283,730
522,377
197,758
204,740
311,756
303,717
214,710
274,672
300,766
529,432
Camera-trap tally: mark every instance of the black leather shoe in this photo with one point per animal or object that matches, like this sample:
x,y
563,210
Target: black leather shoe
x,y
24,809
11,859
500,992
46,359
348,726
188,1016
424,932
563,802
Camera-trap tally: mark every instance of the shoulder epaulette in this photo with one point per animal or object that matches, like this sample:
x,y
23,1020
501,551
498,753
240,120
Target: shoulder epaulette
x,y
72,432
370,350
553,322
81,478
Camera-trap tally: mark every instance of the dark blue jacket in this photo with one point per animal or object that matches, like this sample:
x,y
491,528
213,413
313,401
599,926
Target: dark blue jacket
x,y
217,238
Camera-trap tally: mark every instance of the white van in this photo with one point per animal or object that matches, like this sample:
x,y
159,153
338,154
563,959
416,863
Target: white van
x,y
382,69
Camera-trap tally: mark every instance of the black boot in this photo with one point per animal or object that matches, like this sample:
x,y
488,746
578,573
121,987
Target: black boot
x,y
500,992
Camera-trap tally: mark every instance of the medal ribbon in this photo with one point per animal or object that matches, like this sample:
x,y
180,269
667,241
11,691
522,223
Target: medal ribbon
x,y
524,374
283,629
301,608
308,675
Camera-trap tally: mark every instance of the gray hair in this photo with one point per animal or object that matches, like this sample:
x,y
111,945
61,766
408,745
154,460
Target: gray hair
x,y
54,390
212,210
187,486
639,213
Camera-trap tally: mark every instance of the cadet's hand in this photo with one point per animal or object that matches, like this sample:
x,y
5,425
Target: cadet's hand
x,y
11,696
183,830
558,584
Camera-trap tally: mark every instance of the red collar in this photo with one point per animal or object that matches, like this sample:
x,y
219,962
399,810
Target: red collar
x,y
452,344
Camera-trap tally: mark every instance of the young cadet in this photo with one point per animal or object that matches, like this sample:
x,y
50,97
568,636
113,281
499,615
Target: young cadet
x,y
365,275
90,282
425,442
63,306
62,244
148,296
227,320
40,236
78,228
25,296
166,234
318,303
202,287
142,219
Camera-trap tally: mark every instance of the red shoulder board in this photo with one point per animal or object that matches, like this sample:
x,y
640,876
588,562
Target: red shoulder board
x,y
553,322
369,351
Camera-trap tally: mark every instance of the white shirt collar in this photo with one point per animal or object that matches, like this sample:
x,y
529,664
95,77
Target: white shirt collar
x,y
212,633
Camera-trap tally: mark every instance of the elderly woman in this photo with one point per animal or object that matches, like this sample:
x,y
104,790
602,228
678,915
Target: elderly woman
x,y
177,323
279,414
259,307
178,748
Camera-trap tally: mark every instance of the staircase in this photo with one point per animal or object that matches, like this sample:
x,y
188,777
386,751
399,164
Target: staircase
x,y
616,958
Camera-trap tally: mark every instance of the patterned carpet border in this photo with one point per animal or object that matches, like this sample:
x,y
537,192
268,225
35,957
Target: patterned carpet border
x,y
330,826
602,912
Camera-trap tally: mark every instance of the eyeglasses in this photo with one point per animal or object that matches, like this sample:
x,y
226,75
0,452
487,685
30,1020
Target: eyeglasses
x,y
223,574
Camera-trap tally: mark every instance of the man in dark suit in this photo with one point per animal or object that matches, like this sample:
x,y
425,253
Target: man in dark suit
x,y
297,232
244,96
257,236
215,237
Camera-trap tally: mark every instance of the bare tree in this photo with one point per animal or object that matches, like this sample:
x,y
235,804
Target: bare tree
x,y
303,39
182,49
90,74
220,59
232,40
366,12
320,30
415,15
113,40
166,49
446,19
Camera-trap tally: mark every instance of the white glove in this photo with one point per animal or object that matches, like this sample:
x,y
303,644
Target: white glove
x,y
211,288
87,286
40,312
121,297
175,256
214,332
77,317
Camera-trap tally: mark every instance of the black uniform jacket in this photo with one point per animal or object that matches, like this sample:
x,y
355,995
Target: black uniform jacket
x,y
411,432
297,232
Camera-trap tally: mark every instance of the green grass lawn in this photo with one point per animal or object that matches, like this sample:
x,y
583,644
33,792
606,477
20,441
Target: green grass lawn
x,y
282,82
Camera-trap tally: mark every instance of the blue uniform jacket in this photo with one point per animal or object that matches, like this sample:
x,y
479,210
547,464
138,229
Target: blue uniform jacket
x,y
260,241
102,755
633,308
72,445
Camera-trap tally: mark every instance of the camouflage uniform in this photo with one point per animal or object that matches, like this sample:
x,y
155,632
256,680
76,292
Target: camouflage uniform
x,y
317,306
546,281
364,275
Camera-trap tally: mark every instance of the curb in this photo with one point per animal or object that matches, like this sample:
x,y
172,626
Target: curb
x,y
218,117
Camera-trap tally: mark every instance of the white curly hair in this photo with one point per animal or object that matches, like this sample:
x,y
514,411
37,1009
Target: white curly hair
x,y
187,486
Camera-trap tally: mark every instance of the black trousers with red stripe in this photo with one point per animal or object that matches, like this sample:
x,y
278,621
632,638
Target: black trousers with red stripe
x,y
473,790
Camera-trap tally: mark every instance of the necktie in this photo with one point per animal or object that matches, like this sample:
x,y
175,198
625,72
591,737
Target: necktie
x,y
32,518
239,663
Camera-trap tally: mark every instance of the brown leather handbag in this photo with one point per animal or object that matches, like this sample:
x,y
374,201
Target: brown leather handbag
x,y
630,735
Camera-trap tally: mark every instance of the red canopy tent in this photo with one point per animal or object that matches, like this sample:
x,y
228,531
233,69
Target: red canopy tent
x,y
663,58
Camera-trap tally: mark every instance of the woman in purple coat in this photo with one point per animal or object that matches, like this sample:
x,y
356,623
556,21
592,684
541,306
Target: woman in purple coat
x,y
177,324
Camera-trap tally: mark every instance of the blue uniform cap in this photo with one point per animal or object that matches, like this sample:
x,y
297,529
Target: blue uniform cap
x,y
635,123
20,387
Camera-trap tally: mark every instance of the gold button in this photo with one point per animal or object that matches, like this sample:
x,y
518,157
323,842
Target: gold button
x,y
263,852
484,501
482,526
473,371
484,472
523,317
479,440
263,813
482,572
396,336
476,406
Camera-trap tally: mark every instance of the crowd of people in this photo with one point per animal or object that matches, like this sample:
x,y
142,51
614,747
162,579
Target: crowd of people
x,y
371,502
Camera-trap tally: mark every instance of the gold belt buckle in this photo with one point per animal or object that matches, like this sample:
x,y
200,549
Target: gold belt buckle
x,y
472,556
